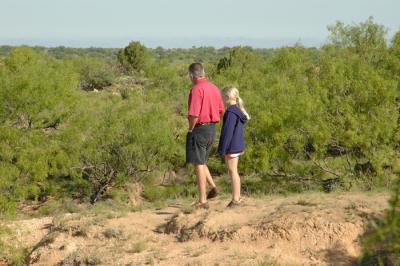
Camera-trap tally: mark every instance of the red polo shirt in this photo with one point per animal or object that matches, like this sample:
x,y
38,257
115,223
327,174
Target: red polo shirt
x,y
205,102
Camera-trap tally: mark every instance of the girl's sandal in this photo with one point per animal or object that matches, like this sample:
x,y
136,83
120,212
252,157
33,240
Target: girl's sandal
x,y
235,203
198,205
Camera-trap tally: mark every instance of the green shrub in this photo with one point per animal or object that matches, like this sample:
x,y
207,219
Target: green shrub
x,y
382,245
13,254
323,114
94,73
117,140
37,93
134,57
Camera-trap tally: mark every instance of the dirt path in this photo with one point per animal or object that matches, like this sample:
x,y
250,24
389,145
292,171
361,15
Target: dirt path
x,y
308,229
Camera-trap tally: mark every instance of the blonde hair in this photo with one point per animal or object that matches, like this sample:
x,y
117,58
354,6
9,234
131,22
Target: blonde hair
x,y
233,93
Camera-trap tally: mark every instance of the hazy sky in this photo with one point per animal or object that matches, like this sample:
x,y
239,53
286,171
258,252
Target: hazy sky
x,y
183,23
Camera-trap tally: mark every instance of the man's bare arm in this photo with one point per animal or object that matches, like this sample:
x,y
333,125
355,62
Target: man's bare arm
x,y
192,122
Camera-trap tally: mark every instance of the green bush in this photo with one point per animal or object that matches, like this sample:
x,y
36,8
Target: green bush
x,y
382,245
15,255
134,57
56,140
326,114
36,91
94,73
115,140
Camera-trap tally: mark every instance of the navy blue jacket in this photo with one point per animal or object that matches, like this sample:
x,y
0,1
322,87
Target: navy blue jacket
x,y
232,133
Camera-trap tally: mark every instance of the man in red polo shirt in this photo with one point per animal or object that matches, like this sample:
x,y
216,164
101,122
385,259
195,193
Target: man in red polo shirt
x,y
205,107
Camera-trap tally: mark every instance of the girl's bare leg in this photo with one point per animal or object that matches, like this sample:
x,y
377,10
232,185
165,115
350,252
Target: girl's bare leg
x,y
232,164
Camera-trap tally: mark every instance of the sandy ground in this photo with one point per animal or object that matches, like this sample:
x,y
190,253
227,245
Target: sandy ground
x,y
307,229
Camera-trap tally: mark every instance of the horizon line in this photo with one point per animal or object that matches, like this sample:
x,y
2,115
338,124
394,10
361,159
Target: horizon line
x,y
154,42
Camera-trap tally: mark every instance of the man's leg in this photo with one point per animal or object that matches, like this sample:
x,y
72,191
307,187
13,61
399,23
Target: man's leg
x,y
210,180
201,181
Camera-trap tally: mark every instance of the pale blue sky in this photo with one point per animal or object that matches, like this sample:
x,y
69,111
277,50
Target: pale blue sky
x,y
183,23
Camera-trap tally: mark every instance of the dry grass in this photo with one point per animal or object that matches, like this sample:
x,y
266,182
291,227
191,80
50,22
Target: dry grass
x,y
138,247
112,233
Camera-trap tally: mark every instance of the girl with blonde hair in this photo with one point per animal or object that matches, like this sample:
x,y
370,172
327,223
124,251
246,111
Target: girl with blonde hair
x,y
231,143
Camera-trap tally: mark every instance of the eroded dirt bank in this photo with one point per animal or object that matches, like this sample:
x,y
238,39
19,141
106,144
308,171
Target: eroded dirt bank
x,y
318,229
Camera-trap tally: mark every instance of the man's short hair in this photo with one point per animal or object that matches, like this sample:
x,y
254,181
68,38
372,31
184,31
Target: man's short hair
x,y
196,70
